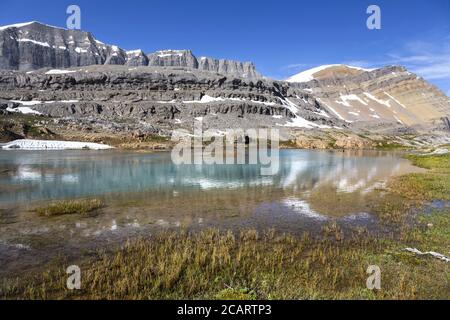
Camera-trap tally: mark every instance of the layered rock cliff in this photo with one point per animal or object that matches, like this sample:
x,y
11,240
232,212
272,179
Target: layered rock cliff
x,y
87,80
386,94
33,45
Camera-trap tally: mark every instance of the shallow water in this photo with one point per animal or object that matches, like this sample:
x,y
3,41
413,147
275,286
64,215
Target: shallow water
x,y
47,175
147,192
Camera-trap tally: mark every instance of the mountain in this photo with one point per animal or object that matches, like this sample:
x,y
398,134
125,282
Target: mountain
x,y
392,93
324,72
85,85
33,45
161,97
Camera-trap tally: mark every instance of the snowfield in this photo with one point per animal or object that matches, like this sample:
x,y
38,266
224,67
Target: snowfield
x,y
58,71
27,144
24,110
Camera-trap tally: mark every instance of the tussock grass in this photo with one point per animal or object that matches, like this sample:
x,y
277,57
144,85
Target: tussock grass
x,y
246,265
83,206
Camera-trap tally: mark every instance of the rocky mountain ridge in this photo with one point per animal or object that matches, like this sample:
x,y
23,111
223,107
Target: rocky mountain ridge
x,y
166,97
360,95
116,91
33,45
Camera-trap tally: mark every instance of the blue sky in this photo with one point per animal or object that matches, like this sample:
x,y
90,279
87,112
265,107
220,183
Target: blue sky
x,y
281,37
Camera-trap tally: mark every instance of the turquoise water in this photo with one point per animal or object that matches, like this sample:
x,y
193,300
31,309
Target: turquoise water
x,y
47,175
145,193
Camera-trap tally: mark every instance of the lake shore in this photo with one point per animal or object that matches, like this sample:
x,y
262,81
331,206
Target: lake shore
x,y
251,264
22,126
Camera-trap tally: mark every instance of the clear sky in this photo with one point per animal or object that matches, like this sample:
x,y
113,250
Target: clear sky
x,y
282,37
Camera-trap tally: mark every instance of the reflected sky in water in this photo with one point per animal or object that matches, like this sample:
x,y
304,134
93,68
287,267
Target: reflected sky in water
x,y
43,175
144,193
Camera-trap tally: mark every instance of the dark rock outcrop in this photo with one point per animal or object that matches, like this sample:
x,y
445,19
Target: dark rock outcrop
x,y
446,121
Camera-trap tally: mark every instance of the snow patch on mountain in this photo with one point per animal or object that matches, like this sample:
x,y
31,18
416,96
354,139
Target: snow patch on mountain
x,y
344,100
57,71
24,110
298,121
384,102
134,52
44,44
24,24
209,99
332,110
17,25
395,100
27,103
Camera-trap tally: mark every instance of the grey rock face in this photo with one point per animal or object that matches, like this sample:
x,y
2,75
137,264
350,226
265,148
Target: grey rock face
x,y
173,58
161,97
136,58
245,69
185,58
390,93
31,46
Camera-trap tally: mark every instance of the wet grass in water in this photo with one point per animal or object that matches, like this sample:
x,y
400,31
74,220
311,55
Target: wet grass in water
x,y
83,206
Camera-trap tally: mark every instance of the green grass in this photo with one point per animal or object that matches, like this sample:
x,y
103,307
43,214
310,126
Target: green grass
x,y
422,186
432,233
83,206
433,185
439,163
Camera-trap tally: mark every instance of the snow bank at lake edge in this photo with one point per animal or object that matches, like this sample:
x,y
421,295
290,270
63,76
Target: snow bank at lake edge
x,y
27,144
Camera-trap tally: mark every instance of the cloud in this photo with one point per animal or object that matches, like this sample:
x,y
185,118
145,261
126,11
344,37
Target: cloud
x,y
434,71
361,64
294,66
428,59
358,63
431,60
